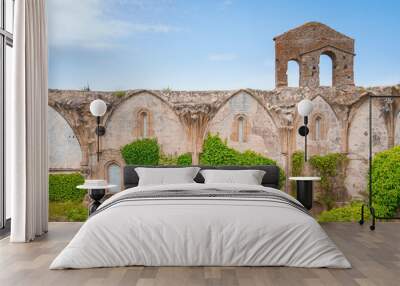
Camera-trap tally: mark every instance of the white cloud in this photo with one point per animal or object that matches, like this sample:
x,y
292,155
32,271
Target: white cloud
x,y
222,57
153,28
85,24
227,2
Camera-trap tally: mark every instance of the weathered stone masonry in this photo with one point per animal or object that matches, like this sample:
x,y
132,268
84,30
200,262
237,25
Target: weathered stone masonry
x,y
264,121
305,45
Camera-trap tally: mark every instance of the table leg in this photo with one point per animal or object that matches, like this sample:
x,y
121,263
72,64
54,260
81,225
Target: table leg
x,y
96,195
305,193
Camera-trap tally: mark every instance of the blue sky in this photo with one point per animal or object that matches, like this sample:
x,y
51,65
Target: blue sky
x,y
207,44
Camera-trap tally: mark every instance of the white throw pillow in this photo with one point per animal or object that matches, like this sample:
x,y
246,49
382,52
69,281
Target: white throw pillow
x,y
166,176
248,177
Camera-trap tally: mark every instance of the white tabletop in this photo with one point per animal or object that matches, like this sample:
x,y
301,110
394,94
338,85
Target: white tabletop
x,y
88,187
305,178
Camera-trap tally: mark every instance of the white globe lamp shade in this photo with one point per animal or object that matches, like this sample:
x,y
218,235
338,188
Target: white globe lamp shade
x,y
98,107
305,107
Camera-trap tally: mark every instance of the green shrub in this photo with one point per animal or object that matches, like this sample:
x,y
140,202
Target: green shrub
x,y
217,153
141,152
386,182
184,160
327,167
62,187
348,213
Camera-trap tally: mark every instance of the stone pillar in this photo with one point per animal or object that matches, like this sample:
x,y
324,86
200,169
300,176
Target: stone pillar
x,y
387,109
310,70
344,136
390,122
281,72
195,118
285,135
194,140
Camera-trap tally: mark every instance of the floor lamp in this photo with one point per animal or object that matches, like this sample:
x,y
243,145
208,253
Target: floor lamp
x,y
370,198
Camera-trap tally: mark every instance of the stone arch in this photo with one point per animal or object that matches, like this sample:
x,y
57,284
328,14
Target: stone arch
x,y
131,94
293,73
358,128
331,132
306,43
263,133
273,115
114,175
64,147
358,143
355,106
166,126
330,69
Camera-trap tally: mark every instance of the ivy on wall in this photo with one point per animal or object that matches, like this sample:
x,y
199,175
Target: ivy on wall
x,y
297,161
147,152
181,160
217,153
386,182
327,167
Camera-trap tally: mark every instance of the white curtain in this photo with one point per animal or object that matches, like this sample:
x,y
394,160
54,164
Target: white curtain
x,y
27,124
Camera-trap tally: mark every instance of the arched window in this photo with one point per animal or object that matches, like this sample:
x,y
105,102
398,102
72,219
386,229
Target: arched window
x,y
293,73
145,124
317,128
114,177
326,67
241,130
143,128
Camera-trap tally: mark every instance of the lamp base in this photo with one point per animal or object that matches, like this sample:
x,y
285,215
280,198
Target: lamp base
x,y
96,195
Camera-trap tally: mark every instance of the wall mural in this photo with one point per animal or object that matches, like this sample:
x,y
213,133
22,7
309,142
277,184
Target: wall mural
x,y
259,120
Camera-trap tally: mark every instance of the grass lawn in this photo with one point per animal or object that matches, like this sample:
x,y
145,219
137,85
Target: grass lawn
x,y
67,211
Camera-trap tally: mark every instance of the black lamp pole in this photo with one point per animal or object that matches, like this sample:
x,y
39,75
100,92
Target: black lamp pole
x,y
303,131
305,137
100,131
98,137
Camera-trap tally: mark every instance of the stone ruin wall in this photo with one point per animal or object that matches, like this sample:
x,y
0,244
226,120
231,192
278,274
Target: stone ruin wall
x,y
263,121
